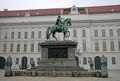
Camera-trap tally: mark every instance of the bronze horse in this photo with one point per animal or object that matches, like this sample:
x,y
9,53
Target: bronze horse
x,y
51,30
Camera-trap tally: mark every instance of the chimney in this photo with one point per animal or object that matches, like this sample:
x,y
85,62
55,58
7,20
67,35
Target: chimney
x,y
5,9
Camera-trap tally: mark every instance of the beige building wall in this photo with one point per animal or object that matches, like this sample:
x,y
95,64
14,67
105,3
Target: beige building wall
x,y
80,22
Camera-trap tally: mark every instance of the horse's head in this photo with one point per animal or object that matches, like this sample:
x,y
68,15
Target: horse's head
x,y
67,21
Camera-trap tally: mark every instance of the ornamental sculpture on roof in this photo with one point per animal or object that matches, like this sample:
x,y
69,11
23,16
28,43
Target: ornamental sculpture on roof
x,y
60,27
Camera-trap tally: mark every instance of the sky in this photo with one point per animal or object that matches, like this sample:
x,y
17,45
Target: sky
x,y
43,4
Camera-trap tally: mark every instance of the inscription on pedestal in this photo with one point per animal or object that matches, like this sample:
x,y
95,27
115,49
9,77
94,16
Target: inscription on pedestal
x,y
57,52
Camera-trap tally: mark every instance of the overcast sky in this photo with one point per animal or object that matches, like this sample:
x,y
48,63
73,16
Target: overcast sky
x,y
42,4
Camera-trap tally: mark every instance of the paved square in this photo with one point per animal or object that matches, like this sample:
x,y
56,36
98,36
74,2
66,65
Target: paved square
x,y
113,76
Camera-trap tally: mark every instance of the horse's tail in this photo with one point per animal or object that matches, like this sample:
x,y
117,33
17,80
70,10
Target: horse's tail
x,y
47,35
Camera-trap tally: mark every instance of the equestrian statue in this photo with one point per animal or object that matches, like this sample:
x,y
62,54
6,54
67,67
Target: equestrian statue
x,y
59,27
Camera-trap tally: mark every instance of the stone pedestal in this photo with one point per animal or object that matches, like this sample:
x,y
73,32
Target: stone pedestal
x,y
58,53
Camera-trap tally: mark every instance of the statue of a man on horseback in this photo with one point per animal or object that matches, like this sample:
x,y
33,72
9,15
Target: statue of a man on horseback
x,y
59,27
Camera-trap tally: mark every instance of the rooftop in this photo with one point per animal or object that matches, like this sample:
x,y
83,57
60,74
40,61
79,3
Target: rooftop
x,y
58,11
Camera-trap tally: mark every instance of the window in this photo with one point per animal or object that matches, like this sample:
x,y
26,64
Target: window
x,y
96,46
6,35
18,47
84,46
113,60
17,60
111,32
32,34
19,35
118,32
38,60
39,34
74,33
12,35
112,46
26,35
39,48
84,60
103,32
25,47
27,14
11,47
32,47
119,46
4,47
83,33
96,33
104,46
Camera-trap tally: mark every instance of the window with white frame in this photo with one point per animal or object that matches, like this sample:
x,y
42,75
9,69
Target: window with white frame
x,y
104,46
103,33
18,47
32,34
84,46
83,33
111,32
96,46
96,33
4,47
12,35
6,34
39,48
11,47
19,35
25,47
26,35
113,60
17,60
32,47
112,46
39,34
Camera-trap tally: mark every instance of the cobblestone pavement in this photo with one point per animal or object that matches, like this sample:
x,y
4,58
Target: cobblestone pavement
x,y
113,76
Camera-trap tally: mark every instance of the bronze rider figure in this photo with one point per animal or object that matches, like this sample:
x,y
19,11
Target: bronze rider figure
x,y
59,23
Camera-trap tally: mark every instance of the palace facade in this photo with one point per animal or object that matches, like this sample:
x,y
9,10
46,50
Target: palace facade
x,y
96,29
